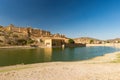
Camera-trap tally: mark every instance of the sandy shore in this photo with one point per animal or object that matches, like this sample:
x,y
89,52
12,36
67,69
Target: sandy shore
x,y
116,45
65,71
99,68
15,47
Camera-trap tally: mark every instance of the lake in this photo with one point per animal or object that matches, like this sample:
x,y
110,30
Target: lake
x,y
40,55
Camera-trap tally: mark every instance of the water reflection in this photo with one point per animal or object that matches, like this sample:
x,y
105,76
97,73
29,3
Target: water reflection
x,y
47,54
38,55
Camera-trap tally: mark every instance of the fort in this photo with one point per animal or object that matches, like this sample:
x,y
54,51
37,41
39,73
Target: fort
x,y
29,31
38,35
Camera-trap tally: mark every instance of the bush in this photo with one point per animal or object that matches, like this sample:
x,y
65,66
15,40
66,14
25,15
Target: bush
x,y
91,41
30,41
21,42
71,41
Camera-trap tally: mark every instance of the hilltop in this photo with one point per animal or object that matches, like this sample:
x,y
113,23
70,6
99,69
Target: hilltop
x,y
116,40
87,40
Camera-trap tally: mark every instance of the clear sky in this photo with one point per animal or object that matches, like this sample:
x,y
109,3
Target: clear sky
x,y
74,18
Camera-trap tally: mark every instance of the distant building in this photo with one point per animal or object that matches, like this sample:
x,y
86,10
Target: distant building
x,y
54,42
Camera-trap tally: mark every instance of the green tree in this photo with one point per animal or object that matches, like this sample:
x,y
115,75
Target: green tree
x,y
108,41
91,41
21,42
30,41
71,41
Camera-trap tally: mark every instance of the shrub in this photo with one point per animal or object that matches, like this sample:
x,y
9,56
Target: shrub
x,y
30,41
91,41
21,42
71,41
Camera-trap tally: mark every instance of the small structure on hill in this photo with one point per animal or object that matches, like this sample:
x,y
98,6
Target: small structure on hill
x,y
54,42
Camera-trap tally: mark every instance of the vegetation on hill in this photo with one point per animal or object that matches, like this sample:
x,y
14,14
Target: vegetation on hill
x,y
116,40
71,41
12,35
87,40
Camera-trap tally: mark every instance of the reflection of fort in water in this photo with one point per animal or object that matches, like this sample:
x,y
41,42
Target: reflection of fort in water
x,y
47,54
43,54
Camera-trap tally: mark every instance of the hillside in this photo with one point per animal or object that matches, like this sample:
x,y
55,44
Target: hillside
x,y
87,40
116,40
12,35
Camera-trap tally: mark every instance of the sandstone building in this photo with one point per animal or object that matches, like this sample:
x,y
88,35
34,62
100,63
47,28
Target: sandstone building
x,y
29,31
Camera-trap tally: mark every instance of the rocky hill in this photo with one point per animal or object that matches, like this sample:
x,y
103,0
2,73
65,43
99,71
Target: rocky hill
x,y
12,35
87,40
116,40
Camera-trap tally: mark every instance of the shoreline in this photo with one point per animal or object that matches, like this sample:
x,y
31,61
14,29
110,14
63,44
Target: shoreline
x,y
7,47
117,45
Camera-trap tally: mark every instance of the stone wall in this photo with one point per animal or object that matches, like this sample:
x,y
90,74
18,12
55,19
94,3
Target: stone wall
x,y
27,31
75,45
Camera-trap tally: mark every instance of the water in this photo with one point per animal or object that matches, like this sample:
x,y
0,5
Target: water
x,y
39,55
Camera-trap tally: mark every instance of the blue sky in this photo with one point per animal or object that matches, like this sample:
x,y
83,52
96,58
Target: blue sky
x,y
74,18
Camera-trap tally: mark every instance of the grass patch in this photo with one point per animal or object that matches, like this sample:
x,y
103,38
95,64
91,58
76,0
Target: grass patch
x,y
117,60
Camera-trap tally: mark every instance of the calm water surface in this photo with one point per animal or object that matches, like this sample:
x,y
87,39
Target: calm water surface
x,y
39,55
